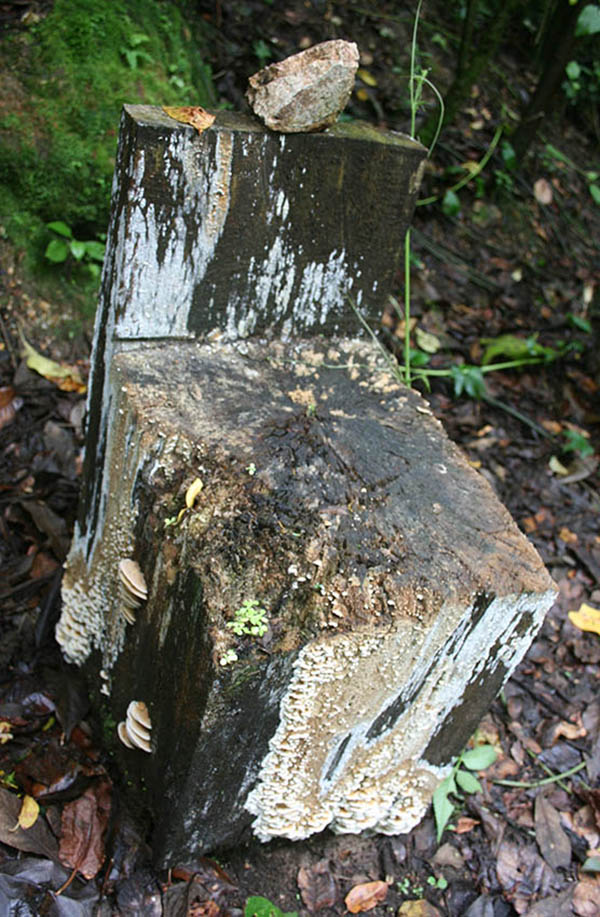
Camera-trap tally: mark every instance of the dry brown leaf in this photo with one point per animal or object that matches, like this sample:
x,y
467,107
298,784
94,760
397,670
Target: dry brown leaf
x,y
9,405
586,898
465,824
366,896
553,842
317,886
82,828
191,114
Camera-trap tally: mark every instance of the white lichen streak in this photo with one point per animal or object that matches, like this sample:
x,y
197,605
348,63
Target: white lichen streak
x,y
179,243
323,770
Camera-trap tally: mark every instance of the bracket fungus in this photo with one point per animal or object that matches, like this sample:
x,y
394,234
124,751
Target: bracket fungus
x,y
135,730
132,588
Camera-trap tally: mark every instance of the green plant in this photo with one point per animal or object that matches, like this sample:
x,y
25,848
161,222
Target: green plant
x,y
262,51
64,244
461,779
438,882
409,886
133,54
577,442
249,619
262,907
72,72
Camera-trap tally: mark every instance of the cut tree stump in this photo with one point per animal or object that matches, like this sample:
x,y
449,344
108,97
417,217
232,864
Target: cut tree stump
x,y
325,622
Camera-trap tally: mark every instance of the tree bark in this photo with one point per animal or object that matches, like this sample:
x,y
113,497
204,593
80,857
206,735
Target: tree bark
x,y
557,45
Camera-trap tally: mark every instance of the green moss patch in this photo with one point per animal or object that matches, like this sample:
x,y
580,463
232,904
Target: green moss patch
x,y
63,84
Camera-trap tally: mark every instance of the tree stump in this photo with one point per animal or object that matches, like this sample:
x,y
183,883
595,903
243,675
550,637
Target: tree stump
x,y
331,595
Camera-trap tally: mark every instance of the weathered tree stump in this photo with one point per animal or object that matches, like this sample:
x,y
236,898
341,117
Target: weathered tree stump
x,y
397,594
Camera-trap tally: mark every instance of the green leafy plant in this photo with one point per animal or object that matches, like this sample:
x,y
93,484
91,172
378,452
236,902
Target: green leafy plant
x,y
65,245
257,906
438,882
249,620
460,780
577,442
135,53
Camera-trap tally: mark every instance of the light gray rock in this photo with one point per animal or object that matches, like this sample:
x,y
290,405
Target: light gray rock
x,y
305,92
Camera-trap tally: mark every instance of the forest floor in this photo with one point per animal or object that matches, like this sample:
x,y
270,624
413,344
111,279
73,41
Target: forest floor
x,y
504,264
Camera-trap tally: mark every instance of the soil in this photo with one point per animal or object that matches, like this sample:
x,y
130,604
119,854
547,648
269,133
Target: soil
x,y
504,264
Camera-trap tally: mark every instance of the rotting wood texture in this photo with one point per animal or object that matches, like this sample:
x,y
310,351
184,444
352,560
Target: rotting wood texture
x,y
399,593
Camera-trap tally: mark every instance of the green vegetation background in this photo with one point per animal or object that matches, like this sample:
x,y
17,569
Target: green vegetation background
x,y
64,80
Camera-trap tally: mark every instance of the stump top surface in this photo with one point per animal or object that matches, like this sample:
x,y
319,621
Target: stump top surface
x,y
154,117
343,457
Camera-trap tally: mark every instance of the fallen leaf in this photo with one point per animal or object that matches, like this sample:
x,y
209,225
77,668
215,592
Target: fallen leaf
x,y
586,898
366,76
586,618
66,378
465,824
427,341
82,828
9,405
190,114
192,492
37,839
29,813
567,535
553,842
542,190
556,466
420,908
317,886
366,896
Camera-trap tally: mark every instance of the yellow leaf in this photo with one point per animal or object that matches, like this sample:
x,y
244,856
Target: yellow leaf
x,y
190,114
420,908
366,77
586,618
427,341
28,814
556,466
65,378
5,732
192,492
362,95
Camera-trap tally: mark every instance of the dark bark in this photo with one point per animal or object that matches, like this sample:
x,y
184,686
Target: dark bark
x,y
557,51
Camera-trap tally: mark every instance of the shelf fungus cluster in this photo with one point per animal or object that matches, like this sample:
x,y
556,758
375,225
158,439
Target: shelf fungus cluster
x,y
132,588
135,730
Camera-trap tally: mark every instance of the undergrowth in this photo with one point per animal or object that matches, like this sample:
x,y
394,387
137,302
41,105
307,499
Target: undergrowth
x,y
65,82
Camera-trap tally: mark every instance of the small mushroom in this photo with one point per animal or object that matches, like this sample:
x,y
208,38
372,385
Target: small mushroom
x,y
135,730
132,588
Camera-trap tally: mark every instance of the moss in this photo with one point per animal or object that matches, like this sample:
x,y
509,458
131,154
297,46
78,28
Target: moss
x,y
65,82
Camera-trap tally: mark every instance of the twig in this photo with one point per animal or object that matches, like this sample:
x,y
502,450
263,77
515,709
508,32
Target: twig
x,y
555,778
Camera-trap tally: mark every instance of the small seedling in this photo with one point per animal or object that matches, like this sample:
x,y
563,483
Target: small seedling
x,y
577,442
262,907
249,620
251,469
64,244
460,780
440,882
